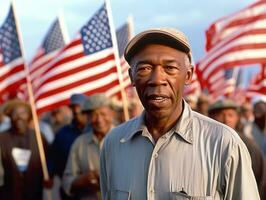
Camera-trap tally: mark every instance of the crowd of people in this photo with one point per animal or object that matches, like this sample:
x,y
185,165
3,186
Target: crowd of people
x,y
171,149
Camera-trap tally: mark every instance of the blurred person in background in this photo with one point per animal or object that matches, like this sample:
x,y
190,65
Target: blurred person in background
x,y
203,104
247,118
227,112
22,170
81,176
65,137
259,125
4,121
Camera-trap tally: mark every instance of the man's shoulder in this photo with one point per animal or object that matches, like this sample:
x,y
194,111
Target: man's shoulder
x,y
123,129
214,129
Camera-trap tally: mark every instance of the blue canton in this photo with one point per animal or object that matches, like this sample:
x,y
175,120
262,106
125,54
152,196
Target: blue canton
x,y
54,39
9,43
96,34
122,35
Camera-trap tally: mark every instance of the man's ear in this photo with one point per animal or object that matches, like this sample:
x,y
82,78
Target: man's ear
x,y
189,75
130,73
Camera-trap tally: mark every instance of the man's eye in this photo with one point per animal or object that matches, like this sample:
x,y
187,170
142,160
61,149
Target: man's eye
x,y
143,68
171,67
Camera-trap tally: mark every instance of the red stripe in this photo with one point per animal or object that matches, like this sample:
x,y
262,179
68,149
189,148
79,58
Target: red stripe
x,y
13,87
14,70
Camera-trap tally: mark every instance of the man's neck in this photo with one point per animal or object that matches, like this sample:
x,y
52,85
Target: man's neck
x,y
159,127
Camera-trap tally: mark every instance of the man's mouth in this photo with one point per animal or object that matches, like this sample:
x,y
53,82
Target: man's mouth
x,y
155,99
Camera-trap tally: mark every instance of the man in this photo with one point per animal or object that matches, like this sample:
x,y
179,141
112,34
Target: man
x,y
81,176
20,161
203,104
227,111
247,118
170,151
65,137
259,125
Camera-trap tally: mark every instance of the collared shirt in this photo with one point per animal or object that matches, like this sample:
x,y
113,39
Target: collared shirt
x,y
198,159
84,156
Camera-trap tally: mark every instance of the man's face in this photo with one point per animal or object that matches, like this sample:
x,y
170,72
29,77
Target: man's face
x,y
228,116
101,120
78,116
159,73
20,118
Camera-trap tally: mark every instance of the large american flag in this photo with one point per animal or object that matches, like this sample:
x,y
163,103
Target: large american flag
x,y
123,35
233,41
86,65
12,71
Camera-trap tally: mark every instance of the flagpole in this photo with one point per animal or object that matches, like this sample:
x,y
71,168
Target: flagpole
x,y
130,25
117,61
32,104
63,26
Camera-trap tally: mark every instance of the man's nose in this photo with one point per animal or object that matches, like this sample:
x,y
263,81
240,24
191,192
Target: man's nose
x,y
157,76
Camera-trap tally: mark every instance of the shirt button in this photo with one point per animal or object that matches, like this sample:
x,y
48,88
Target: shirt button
x,y
151,190
155,155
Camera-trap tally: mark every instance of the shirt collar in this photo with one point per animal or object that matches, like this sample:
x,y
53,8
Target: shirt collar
x,y
183,127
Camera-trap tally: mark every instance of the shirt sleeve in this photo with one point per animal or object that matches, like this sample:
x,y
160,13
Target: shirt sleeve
x,y
103,173
240,183
72,169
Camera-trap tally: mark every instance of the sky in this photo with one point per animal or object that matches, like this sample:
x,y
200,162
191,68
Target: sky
x,y
191,16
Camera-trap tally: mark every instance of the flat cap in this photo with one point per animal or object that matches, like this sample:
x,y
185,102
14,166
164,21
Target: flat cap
x,y
95,101
223,104
166,36
77,99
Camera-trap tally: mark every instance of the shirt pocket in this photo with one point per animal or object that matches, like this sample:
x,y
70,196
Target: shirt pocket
x,y
119,195
182,196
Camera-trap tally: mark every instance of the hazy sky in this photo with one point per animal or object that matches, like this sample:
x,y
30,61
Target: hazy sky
x,y
191,16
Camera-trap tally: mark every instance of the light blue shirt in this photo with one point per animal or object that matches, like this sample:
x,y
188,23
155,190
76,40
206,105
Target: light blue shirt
x,y
198,159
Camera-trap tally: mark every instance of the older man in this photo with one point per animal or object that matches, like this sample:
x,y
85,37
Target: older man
x,y
170,151
22,172
81,176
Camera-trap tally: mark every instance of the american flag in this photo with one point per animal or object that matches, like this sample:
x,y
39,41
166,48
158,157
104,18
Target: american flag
x,y
123,35
223,87
48,50
257,87
86,65
233,41
12,71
